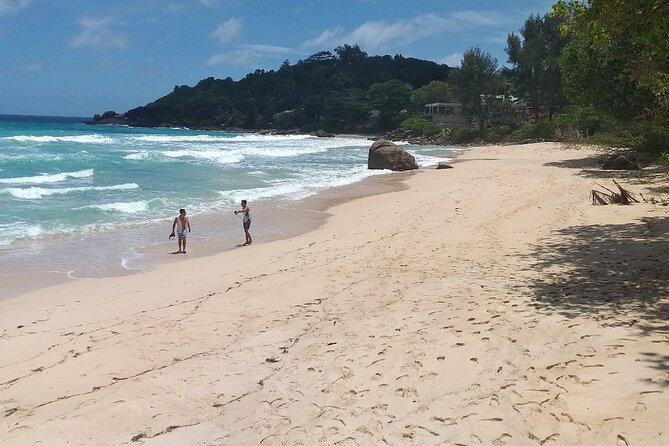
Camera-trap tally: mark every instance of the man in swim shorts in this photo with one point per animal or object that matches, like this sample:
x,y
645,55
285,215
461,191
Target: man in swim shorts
x,y
246,221
182,226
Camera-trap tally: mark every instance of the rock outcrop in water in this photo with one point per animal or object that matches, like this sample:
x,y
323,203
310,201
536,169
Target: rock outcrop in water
x,y
109,117
384,154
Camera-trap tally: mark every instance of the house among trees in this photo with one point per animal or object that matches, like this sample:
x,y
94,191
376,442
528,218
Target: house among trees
x,y
451,115
512,115
446,114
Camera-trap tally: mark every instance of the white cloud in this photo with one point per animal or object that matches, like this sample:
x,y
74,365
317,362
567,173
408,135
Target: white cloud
x,y
250,55
325,39
8,7
210,3
175,7
499,38
374,35
227,31
96,32
240,57
270,49
32,67
452,60
468,18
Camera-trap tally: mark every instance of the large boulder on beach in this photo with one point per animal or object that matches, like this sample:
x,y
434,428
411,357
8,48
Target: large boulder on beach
x,y
384,154
322,134
622,162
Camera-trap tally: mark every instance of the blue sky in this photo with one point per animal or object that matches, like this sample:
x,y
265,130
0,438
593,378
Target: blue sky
x,y
80,57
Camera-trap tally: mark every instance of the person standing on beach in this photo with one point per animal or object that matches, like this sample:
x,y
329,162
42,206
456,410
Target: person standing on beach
x,y
182,225
246,221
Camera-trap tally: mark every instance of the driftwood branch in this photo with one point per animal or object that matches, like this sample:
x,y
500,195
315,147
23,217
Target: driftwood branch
x,y
621,197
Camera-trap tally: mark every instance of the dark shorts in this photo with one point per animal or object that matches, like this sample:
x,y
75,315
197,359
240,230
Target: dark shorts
x,y
247,224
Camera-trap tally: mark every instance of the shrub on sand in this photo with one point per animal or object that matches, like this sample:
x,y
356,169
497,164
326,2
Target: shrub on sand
x,y
421,127
465,135
541,130
498,134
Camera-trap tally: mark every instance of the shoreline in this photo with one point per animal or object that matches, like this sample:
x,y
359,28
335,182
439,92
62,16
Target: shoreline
x,y
312,212
488,303
131,248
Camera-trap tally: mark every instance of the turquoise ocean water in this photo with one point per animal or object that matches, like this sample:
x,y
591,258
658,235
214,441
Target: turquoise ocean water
x,y
63,183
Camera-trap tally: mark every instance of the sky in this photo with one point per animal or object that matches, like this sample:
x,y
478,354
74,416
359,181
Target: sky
x,y
81,57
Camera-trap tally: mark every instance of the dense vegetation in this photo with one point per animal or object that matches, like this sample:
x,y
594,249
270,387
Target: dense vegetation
x,y
615,70
595,69
334,91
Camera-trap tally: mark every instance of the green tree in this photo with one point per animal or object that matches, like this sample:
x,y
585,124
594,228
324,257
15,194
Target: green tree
x,y
477,79
325,88
435,91
350,55
535,58
346,108
618,58
390,98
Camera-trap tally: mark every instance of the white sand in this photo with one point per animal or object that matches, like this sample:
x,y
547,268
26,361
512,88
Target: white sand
x,y
487,304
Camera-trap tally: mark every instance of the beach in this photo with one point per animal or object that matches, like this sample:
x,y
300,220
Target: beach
x,y
488,304
106,196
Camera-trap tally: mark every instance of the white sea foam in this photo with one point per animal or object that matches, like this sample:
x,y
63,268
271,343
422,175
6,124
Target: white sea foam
x,y
219,156
130,207
31,156
427,160
48,178
251,137
17,231
142,155
281,152
176,138
84,139
296,189
292,189
34,193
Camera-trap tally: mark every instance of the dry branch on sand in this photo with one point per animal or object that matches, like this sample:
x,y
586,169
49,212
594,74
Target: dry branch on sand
x,y
603,198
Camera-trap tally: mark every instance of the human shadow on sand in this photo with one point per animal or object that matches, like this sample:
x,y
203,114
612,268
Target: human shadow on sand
x,y
616,273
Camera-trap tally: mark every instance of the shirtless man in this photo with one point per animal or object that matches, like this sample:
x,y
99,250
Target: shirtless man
x,y
182,225
246,221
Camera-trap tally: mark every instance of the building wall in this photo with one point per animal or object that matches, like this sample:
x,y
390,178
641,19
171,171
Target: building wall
x,y
449,115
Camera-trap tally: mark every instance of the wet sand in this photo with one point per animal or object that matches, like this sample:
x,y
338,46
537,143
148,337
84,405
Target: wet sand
x,y
486,304
32,265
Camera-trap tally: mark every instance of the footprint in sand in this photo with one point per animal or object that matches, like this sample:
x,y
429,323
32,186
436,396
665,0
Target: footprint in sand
x,y
406,392
447,421
502,440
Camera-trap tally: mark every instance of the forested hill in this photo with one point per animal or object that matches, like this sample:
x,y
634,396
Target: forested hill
x,y
335,91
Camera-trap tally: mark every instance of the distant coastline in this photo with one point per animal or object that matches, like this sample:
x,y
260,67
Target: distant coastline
x,y
42,118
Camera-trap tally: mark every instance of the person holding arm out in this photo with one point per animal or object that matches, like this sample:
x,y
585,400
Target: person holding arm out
x,y
246,221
